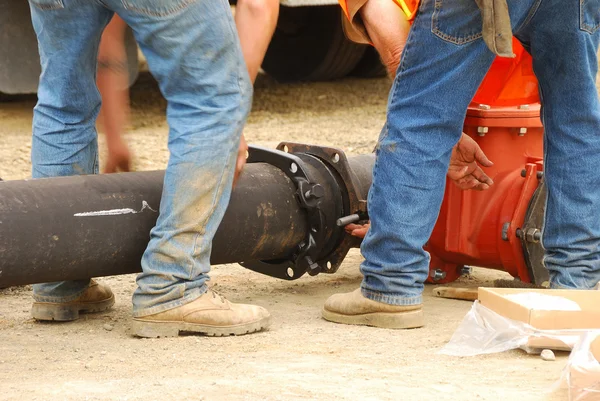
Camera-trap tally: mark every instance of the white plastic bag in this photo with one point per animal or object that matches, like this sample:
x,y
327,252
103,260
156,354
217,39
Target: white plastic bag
x,y
582,374
484,331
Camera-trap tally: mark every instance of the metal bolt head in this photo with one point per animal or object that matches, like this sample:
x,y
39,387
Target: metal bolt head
x,y
316,191
524,107
533,235
485,106
505,228
481,131
438,274
466,271
522,131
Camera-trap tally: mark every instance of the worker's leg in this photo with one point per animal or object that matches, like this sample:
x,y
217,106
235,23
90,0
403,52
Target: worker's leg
x,y
564,52
193,51
443,63
64,134
255,21
438,75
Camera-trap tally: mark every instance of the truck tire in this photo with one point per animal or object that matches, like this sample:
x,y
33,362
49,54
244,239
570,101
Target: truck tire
x,y
309,45
370,65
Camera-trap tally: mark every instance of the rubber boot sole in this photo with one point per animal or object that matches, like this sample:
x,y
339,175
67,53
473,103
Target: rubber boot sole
x,y
65,312
399,320
154,329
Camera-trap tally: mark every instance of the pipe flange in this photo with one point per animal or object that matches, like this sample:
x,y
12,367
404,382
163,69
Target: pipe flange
x,y
531,233
354,200
309,195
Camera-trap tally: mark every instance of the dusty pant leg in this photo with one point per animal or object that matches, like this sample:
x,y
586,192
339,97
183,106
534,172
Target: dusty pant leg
x,y
193,51
438,75
564,52
64,134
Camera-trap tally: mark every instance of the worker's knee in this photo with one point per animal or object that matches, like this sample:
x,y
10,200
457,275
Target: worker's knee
x,y
264,8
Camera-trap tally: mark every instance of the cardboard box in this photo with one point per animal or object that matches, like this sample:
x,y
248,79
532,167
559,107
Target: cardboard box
x,y
587,318
584,375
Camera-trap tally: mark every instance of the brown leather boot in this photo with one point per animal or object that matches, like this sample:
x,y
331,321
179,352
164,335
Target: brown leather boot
x,y
211,315
354,308
97,298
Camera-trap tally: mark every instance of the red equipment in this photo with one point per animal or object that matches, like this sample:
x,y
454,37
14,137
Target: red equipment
x,y
499,228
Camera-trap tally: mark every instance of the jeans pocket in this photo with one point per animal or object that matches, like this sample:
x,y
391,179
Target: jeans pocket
x,y
156,8
589,15
48,4
456,21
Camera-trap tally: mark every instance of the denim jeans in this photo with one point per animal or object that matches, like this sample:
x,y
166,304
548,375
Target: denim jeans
x,y
444,62
193,51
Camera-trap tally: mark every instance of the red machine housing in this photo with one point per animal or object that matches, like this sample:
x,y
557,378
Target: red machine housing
x,y
481,228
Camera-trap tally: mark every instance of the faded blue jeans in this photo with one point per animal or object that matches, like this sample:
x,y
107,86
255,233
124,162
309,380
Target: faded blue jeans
x,y
193,51
444,62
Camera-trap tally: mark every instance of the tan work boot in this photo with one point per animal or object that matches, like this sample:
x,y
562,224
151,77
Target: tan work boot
x,y
97,298
354,308
211,315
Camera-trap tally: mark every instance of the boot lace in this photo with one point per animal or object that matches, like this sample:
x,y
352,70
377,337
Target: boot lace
x,y
217,296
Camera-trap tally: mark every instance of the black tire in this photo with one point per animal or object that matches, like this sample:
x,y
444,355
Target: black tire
x,y
370,65
309,45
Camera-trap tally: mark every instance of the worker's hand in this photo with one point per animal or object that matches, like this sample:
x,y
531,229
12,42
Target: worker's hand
x,y
241,159
119,158
464,169
357,230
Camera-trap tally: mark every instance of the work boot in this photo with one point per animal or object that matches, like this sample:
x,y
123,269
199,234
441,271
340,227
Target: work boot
x,y
354,308
97,298
211,315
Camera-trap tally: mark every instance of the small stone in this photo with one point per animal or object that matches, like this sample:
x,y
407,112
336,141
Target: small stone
x,y
108,327
548,355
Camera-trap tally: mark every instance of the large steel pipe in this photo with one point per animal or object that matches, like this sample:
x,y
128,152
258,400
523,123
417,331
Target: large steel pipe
x,y
87,226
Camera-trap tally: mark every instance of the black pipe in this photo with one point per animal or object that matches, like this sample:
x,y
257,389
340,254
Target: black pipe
x,y
71,228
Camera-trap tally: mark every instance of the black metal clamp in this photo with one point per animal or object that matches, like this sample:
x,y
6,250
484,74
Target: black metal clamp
x,y
309,195
309,256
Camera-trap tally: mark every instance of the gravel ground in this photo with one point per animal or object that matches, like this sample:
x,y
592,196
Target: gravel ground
x,y
301,356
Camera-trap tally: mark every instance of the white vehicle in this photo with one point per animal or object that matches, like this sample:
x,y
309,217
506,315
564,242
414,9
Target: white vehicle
x,y
308,45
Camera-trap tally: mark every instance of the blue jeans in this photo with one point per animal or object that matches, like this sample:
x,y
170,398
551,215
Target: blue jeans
x,y
444,62
193,51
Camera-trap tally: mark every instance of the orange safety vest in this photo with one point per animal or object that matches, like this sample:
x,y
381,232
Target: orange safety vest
x,y
509,82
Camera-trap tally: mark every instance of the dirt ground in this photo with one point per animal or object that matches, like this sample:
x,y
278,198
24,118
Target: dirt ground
x,y
301,356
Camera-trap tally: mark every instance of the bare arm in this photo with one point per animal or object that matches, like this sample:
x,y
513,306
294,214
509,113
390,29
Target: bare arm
x,y
113,77
388,29
255,21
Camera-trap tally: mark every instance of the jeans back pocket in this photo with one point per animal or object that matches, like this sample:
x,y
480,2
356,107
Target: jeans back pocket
x,y
456,21
156,8
589,17
48,4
